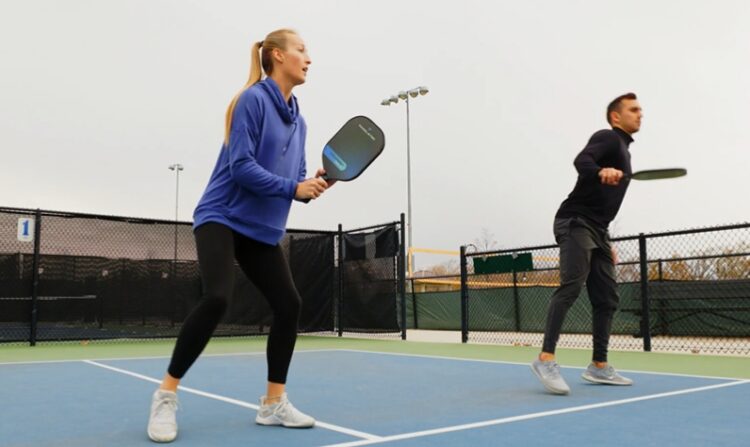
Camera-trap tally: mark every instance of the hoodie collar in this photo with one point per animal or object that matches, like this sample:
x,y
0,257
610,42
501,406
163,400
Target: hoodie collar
x,y
288,111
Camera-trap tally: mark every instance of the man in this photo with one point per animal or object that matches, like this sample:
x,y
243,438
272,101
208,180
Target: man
x,y
586,255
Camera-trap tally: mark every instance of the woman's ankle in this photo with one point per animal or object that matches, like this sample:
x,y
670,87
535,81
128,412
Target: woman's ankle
x,y
169,383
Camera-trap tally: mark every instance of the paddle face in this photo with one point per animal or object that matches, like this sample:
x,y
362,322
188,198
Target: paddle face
x,y
656,174
357,144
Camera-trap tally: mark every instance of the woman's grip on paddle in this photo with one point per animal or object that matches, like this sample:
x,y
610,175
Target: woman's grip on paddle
x,y
311,188
321,174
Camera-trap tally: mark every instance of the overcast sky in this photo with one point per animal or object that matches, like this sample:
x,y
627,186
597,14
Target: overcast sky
x,y
98,98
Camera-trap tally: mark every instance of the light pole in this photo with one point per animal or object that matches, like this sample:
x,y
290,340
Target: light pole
x,y
176,168
405,95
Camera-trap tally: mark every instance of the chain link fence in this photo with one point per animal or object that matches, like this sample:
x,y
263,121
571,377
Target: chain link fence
x,y
434,302
686,291
371,265
69,276
698,290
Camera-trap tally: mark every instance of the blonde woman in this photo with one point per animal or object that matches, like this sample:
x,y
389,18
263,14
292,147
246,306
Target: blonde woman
x,y
242,216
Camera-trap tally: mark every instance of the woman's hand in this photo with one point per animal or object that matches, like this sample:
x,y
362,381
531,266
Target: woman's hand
x,y
311,188
321,172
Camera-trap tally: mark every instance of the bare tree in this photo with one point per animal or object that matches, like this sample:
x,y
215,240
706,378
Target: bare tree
x,y
486,241
445,269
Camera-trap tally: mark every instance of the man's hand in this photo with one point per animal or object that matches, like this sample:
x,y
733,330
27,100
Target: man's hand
x,y
610,176
311,188
321,172
614,256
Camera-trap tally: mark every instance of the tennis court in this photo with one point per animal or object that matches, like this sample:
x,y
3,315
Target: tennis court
x,y
371,392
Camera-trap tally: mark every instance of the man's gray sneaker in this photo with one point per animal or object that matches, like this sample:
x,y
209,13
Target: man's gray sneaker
x,y
162,424
282,413
606,375
549,374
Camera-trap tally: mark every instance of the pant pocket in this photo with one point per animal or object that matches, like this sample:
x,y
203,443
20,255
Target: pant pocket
x,y
561,228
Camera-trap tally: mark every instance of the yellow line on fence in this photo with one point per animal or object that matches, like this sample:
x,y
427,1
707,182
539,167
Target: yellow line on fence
x,y
483,284
434,251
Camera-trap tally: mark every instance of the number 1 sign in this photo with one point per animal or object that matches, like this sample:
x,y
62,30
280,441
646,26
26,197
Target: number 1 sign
x,y
25,229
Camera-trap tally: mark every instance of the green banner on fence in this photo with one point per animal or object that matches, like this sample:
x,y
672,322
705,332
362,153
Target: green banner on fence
x,y
520,262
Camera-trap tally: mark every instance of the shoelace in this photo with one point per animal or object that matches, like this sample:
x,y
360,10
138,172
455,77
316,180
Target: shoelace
x,y
552,368
165,404
284,407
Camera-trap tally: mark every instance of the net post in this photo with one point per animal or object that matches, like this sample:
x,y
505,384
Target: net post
x,y
402,278
340,303
464,298
35,278
516,300
645,305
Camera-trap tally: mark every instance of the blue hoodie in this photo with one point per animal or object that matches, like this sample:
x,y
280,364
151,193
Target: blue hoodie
x,y
253,184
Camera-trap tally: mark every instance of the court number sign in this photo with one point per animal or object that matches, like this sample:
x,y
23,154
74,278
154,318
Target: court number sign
x,y
26,229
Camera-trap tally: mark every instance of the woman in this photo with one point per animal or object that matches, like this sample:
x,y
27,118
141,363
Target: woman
x,y
242,216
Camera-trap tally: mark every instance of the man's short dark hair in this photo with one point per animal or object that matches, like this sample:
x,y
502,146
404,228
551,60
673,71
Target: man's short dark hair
x,y
616,105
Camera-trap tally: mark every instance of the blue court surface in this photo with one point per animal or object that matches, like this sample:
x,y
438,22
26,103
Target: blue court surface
x,y
367,398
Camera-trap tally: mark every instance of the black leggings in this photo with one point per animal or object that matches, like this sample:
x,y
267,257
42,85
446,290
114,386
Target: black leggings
x,y
265,265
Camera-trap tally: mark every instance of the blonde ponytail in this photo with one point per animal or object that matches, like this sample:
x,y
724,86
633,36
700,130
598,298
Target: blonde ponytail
x,y
255,75
260,61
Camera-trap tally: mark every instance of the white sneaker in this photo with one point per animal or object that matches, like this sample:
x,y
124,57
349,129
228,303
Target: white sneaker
x,y
606,375
549,374
282,413
162,424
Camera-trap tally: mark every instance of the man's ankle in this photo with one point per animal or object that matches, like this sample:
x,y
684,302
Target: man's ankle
x,y
546,356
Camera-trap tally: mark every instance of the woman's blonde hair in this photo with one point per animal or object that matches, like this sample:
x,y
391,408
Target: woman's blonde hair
x,y
260,62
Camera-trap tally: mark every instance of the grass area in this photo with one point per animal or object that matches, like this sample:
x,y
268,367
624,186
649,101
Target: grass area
x,y
720,366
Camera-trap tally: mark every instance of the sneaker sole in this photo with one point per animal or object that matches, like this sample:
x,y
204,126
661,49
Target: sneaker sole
x,y
269,422
548,388
160,440
596,380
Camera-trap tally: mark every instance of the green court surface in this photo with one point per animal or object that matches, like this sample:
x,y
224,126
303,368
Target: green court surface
x,y
693,364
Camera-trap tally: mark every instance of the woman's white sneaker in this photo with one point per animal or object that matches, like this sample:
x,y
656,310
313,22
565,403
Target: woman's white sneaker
x,y
162,423
282,413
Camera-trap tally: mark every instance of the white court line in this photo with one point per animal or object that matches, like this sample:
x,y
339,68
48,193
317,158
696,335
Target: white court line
x,y
525,417
373,439
427,356
503,362
336,428
155,357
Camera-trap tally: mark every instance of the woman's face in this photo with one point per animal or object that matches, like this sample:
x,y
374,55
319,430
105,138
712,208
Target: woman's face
x,y
294,60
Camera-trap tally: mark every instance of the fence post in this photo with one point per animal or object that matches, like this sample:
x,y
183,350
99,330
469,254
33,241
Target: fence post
x,y
464,298
340,303
402,278
645,305
516,300
414,304
35,277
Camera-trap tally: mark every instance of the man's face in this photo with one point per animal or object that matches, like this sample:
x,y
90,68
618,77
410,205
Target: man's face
x,y
628,118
